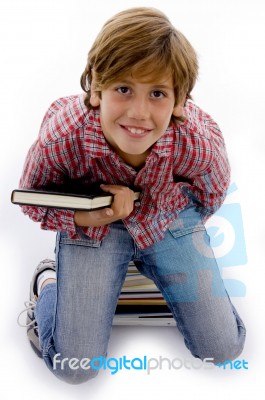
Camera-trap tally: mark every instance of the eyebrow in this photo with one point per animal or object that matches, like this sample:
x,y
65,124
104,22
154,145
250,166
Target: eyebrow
x,y
161,86
154,85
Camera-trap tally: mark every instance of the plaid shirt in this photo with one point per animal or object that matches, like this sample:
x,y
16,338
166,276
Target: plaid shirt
x,y
188,164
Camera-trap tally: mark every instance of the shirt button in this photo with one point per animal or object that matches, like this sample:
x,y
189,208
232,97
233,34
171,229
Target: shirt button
x,y
137,203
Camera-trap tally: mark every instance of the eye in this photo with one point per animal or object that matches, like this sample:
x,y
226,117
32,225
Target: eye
x,y
157,94
123,90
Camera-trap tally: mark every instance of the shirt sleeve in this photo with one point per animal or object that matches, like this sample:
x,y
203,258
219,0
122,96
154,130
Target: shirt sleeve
x,y
39,172
208,188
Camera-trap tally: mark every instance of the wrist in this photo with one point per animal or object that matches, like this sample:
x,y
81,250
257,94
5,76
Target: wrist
x,y
81,218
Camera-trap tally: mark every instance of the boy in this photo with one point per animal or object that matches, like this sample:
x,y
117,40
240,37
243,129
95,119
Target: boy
x,y
135,126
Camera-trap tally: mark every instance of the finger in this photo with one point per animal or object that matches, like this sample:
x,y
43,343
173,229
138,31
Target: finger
x,y
113,189
122,194
106,212
123,201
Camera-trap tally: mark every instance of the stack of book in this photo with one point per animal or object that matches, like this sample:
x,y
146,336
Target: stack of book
x,y
141,302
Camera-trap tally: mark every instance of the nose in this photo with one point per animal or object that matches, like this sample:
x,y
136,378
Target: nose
x,y
138,108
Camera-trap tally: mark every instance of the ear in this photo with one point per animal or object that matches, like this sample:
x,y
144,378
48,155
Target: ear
x,y
178,109
94,97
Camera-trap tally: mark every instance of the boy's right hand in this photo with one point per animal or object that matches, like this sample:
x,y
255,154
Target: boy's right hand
x,y
122,206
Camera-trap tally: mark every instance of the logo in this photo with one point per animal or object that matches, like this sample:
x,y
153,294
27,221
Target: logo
x,y
226,232
143,363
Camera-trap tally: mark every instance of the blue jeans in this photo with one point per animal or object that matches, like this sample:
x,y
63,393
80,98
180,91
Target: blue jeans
x,y
75,314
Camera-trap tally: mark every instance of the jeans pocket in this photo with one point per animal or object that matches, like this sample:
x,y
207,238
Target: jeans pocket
x,y
84,240
188,221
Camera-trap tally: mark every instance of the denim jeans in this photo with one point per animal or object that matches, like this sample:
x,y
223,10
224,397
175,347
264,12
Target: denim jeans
x,y
75,315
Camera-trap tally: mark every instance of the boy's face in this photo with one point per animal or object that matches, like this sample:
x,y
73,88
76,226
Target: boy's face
x,y
135,114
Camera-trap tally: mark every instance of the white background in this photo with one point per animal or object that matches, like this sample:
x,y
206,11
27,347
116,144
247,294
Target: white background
x,y
43,53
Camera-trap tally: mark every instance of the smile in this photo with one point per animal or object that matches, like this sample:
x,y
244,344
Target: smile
x,y
136,131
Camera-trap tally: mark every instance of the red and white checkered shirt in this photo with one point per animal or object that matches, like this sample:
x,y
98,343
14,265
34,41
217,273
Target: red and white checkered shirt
x,y
188,164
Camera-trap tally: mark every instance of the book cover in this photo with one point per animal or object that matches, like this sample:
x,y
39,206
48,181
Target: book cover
x,y
144,321
68,196
142,308
145,301
134,280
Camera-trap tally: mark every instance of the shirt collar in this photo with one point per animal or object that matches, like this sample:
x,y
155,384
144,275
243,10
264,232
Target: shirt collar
x,y
95,141
163,147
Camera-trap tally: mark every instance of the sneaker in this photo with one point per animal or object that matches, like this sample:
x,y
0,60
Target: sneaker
x,y
31,324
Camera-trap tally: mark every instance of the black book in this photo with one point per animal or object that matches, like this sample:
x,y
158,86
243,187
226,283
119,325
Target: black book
x,y
142,309
72,197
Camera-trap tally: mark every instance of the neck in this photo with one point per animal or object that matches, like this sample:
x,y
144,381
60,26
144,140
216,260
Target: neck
x,y
137,161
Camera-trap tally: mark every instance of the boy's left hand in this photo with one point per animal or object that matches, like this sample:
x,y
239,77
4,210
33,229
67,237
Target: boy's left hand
x,y
121,207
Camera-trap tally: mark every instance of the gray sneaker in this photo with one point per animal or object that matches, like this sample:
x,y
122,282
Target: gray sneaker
x,y
31,324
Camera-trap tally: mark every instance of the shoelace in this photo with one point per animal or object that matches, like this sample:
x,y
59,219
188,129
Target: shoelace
x,y
30,306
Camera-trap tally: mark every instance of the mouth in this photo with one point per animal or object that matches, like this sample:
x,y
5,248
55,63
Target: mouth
x,y
136,132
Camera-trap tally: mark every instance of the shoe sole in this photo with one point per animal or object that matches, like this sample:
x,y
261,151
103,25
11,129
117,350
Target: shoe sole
x,y
34,341
33,336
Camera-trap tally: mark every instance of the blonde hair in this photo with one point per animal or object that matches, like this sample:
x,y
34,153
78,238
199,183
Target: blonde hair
x,y
143,43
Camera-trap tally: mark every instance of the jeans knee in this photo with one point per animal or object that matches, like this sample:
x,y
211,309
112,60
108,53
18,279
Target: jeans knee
x,y
76,376
220,356
72,370
80,376
228,349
